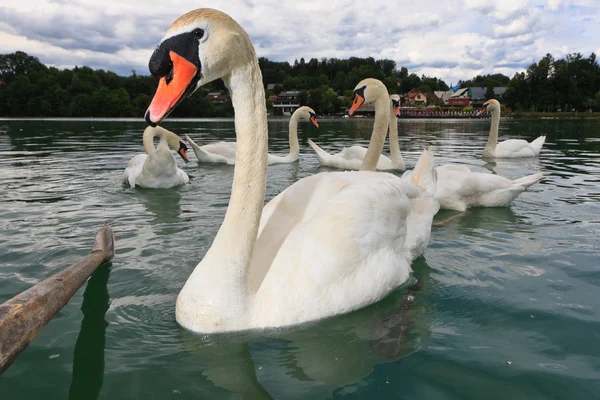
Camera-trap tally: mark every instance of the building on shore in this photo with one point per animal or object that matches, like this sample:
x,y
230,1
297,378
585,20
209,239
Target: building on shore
x,y
415,98
287,102
216,98
473,96
443,95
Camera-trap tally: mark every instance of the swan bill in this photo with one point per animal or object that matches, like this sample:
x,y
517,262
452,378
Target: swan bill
x,y
358,100
396,109
179,83
313,119
182,152
483,109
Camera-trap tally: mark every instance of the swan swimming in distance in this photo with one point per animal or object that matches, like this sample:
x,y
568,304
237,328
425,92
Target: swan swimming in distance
x,y
224,152
158,167
329,244
459,188
351,158
511,148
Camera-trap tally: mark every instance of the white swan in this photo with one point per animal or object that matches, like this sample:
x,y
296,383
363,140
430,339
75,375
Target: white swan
x,y
158,168
511,148
224,152
329,244
459,188
352,157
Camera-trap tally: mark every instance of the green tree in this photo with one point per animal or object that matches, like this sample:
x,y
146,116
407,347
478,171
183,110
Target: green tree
x,y
489,92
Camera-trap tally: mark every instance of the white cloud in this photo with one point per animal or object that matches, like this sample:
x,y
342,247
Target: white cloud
x,y
450,39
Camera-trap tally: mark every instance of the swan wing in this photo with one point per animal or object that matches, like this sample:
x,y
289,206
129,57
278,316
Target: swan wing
x,y
343,238
157,170
458,188
225,150
275,159
465,183
355,155
134,168
514,148
205,156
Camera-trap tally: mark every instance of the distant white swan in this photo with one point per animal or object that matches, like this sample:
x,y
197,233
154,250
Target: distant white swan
x,y
459,188
158,168
224,152
329,244
511,148
352,157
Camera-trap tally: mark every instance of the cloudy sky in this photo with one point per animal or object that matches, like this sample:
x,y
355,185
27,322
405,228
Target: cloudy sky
x,y
450,39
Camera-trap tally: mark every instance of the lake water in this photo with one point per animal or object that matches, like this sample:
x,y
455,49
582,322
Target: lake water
x,y
503,305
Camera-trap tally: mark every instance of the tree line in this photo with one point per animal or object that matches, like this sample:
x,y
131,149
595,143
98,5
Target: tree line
x,y
571,83
28,88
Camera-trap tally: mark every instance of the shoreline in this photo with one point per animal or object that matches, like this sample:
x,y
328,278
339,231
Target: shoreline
x,y
515,115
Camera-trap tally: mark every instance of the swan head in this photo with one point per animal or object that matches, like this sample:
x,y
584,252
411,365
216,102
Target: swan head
x,y
367,91
491,105
395,99
308,113
199,47
171,139
182,151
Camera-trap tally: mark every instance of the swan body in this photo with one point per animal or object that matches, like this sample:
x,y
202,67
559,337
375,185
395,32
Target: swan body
x,y
459,188
158,168
329,244
351,158
511,148
224,152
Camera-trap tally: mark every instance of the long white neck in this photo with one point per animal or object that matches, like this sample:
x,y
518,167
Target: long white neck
x,y
395,155
380,127
294,146
166,137
493,138
227,261
148,138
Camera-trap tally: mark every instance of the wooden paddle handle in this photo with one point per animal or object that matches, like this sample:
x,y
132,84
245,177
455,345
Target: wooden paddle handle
x,y
24,316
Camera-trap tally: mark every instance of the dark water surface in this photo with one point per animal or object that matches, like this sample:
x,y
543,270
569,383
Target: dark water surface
x,y
503,305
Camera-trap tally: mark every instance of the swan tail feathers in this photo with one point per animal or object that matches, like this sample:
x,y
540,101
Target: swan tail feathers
x,y
538,143
321,154
424,175
528,180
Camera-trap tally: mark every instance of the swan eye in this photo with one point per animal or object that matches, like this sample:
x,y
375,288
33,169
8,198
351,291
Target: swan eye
x,y
198,33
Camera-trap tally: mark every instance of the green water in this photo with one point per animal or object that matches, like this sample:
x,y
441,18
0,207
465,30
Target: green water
x,y
503,305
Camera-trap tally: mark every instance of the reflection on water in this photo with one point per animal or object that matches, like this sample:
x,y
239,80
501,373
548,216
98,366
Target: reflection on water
x,y
515,283
163,204
88,358
316,358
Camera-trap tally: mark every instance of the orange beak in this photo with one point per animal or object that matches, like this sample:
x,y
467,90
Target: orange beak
x,y
358,101
183,154
313,119
169,94
482,111
396,110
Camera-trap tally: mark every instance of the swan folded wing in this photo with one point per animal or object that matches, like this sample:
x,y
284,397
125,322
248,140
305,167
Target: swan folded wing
x,y
204,156
357,154
223,149
353,153
133,169
339,251
160,170
514,148
468,183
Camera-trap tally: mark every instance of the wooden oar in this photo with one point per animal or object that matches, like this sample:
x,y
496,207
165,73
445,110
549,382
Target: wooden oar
x,y
24,316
